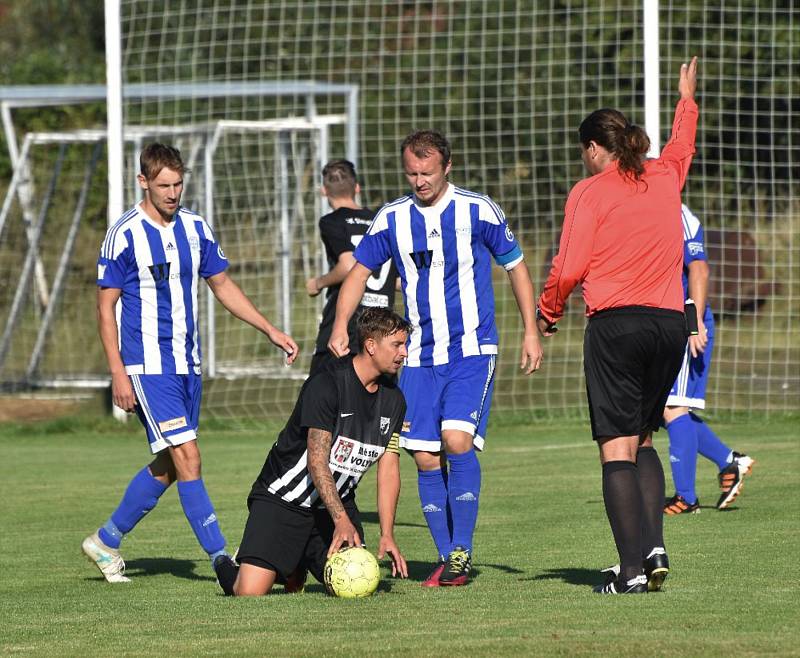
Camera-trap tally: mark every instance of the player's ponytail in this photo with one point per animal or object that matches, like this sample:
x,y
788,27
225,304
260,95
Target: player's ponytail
x,y
626,141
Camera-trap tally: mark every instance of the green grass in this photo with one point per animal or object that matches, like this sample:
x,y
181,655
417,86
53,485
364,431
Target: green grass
x,y
542,536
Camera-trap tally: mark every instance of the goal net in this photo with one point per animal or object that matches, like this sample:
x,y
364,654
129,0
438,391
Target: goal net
x,y
508,82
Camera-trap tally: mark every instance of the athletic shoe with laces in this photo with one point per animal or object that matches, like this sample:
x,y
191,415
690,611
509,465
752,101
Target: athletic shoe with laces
x,y
433,579
678,505
456,569
613,585
731,479
105,558
227,571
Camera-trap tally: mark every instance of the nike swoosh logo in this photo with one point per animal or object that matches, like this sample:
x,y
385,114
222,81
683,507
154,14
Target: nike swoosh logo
x,y
346,415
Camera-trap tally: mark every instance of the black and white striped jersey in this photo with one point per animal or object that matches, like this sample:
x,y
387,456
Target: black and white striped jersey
x,y
363,426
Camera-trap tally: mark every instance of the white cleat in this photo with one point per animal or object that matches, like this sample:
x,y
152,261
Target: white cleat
x,y
107,559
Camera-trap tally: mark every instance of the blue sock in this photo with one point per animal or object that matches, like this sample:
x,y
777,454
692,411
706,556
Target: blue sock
x,y
139,498
463,494
432,486
683,456
709,445
200,512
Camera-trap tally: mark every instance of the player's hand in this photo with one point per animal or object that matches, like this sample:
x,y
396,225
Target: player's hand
x,y
687,83
122,391
312,288
697,344
285,342
545,328
339,344
531,358
344,532
387,546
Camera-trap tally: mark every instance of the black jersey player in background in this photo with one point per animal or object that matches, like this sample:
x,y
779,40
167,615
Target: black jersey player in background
x,y
302,505
341,231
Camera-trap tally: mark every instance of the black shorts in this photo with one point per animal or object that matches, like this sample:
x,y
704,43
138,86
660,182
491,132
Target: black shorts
x,y
631,358
281,538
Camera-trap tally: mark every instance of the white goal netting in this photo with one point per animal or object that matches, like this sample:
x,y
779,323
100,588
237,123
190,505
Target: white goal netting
x,y
508,83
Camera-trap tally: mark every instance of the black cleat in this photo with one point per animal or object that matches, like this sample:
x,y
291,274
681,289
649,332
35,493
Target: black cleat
x,y
656,568
227,571
731,478
456,569
613,584
678,505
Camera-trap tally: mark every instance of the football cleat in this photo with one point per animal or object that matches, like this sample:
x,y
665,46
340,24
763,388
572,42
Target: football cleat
x,y
731,479
433,579
105,558
678,505
456,569
613,585
656,568
227,571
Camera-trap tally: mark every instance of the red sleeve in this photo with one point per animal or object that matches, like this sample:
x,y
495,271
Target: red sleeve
x,y
571,263
678,151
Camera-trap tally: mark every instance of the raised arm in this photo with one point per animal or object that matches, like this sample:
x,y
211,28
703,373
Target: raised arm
x,y
121,389
678,151
319,454
239,305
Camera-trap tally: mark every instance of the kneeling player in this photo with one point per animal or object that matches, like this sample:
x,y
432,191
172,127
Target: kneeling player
x,y
302,505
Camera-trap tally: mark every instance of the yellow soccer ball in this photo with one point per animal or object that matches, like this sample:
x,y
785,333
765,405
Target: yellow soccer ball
x,y
351,573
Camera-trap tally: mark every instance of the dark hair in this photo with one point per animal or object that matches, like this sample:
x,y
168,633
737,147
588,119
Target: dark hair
x,y
422,142
611,130
155,157
376,323
339,178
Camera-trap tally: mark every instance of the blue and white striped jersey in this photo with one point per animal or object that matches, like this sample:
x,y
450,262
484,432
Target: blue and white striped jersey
x,y
157,268
443,254
694,248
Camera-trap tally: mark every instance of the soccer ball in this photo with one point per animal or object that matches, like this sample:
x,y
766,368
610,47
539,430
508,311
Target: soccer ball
x,y
351,573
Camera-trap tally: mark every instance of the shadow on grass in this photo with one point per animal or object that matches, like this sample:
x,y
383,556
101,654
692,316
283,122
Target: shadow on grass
x,y
572,576
158,566
372,517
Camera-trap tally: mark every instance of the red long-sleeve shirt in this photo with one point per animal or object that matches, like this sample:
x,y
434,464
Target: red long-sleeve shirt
x,y
622,240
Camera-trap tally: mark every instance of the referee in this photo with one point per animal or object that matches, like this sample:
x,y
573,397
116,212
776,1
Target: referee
x,y
622,241
302,505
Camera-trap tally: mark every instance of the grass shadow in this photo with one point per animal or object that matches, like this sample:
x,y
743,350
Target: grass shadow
x,y
157,566
571,575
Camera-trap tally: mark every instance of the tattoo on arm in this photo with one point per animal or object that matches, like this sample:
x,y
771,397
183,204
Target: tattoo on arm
x,y
319,453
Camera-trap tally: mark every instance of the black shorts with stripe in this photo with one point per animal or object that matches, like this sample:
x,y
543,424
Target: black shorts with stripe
x,y
631,355
281,537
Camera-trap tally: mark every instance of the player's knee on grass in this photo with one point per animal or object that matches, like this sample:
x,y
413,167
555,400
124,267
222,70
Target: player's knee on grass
x,y
253,581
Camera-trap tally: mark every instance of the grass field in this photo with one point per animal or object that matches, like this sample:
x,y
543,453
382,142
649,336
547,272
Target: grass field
x,y
542,536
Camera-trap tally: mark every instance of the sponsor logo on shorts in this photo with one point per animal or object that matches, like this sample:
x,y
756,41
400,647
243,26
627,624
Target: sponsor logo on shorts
x,y
174,424
474,415
385,424
406,426
466,496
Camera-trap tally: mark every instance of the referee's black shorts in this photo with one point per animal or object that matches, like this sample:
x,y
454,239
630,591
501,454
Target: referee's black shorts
x,y
281,537
631,356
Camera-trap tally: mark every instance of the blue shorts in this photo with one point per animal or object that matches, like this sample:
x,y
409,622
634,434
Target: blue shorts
x,y
169,408
455,395
689,389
